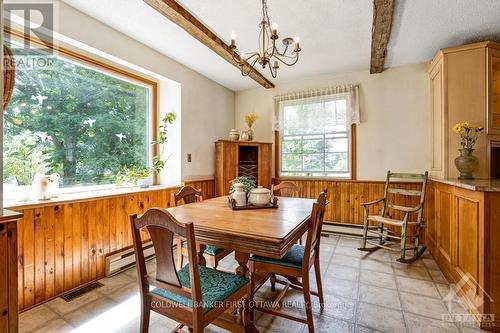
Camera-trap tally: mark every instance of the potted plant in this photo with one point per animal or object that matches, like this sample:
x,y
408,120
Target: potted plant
x,y
141,175
248,184
25,159
466,163
250,119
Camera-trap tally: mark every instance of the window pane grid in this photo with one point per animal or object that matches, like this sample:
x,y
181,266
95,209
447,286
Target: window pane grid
x,y
307,149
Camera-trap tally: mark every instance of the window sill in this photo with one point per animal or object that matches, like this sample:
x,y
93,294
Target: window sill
x,y
83,196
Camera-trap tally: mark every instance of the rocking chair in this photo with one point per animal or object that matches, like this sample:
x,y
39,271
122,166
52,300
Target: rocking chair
x,y
378,235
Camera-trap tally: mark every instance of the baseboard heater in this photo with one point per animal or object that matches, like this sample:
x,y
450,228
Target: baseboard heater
x,y
125,259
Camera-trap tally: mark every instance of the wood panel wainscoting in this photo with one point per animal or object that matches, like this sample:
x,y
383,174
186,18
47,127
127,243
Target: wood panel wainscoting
x,y
463,235
62,245
345,197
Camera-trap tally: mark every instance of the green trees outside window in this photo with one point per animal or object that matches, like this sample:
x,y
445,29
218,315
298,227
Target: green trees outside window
x,y
82,123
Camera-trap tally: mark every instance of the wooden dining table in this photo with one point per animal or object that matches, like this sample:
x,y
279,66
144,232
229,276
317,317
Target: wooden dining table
x,y
266,232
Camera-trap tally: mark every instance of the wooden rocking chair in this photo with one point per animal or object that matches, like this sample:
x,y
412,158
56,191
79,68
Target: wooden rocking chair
x,y
378,235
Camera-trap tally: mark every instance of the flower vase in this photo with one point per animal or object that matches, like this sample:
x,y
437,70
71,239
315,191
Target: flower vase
x,y
466,163
250,134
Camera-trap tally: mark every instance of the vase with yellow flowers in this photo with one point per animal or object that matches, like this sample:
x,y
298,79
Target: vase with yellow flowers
x,y
250,119
466,163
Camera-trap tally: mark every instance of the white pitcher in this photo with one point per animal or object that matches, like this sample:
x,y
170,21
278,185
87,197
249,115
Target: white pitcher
x,y
239,194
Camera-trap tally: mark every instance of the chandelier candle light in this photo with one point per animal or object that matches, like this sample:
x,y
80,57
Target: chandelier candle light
x,y
268,54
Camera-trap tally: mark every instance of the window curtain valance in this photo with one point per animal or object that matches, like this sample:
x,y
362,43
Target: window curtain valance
x,y
350,92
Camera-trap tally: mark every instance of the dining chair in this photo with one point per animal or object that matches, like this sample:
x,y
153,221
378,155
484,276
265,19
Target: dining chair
x,y
287,189
194,296
212,254
379,236
295,264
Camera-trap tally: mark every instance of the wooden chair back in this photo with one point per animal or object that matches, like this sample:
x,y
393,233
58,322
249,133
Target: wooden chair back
x,y
398,177
314,229
188,194
162,227
287,189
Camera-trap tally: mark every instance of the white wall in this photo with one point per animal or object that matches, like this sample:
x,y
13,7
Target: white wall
x,y
393,133
207,107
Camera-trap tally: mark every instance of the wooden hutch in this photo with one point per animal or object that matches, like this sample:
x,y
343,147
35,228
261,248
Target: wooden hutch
x,y
242,158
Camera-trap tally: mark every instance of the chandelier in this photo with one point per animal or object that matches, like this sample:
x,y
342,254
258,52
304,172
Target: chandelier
x,y
268,54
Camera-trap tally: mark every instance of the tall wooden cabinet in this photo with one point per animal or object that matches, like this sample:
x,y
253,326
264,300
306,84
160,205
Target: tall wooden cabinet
x,y
242,158
465,86
8,272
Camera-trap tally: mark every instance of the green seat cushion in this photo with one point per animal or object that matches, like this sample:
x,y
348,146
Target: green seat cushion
x,y
216,286
211,250
293,258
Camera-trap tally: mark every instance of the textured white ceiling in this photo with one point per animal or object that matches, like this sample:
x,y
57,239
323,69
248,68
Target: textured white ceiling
x,y
335,34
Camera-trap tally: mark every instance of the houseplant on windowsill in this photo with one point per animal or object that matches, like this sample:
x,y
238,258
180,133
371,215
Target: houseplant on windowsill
x,y
140,175
466,163
25,158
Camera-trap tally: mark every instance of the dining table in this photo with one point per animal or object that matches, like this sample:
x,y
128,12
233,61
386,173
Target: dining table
x,y
269,232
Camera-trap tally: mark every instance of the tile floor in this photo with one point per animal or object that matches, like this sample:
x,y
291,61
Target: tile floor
x,y
363,293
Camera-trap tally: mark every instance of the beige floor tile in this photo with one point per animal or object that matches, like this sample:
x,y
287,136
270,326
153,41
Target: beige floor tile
x,y
418,324
350,242
35,318
113,283
55,326
419,287
378,279
416,272
444,289
437,276
379,296
267,322
341,272
362,329
380,318
328,325
424,306
339,307
430,263
380,255
339,287
344,260
89,311
62,307
376,265
349,251
125,292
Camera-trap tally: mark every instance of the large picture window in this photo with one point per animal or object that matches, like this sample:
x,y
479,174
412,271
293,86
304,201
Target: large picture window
x,y
315,137
84,122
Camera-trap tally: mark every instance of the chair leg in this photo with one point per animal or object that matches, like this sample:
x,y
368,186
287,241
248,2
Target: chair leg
x,y
403,242
145,315
180,257
273,282
307,302
317,273
365,230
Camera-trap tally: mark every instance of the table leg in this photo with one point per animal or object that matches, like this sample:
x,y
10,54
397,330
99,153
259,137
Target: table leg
x,y
242,259
200,250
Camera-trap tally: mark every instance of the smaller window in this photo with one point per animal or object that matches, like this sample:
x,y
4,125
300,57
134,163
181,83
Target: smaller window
x,y
315,137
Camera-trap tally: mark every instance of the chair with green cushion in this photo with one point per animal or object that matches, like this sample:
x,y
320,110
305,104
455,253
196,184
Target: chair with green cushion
x,y
212,254
195,296
295,265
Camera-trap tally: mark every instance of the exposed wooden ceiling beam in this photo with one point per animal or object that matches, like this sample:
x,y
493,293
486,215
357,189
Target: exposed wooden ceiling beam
x,y
381,33
180,16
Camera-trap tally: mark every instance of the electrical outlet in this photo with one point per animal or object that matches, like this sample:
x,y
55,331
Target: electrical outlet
x,y
189,157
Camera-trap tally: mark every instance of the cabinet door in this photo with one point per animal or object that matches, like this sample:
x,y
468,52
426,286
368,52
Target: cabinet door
x,y
494,91
265,165
438,147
